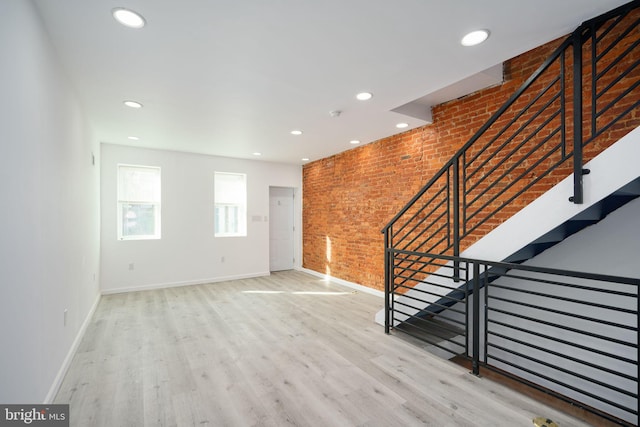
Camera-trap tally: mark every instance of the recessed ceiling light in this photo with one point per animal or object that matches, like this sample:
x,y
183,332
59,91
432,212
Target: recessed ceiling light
x,y
133,104
305,159
128,18
354,141
364,96
133,138
257,154
296,132
402,125
475,38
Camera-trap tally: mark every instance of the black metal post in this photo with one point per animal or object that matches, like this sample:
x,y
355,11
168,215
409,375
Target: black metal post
x,y
577,119
468,289
387,280
456,218
475,357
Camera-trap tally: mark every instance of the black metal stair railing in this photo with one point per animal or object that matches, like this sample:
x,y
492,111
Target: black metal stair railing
x,y
539,134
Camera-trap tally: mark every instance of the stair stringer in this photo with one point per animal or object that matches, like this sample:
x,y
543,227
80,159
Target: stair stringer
x,y
611,170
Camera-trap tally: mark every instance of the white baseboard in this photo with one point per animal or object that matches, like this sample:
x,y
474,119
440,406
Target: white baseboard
x,y
351,285
178,284
57,382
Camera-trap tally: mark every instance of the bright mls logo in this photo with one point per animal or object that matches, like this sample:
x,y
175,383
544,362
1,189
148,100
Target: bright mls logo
x,y
34,415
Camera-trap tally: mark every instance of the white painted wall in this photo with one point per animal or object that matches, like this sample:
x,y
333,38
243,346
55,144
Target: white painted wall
x,y
49,221
188,252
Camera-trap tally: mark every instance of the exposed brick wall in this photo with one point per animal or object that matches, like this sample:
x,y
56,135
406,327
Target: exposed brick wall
x,y
349,197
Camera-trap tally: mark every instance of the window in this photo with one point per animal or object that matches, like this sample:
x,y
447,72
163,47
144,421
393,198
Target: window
x,y
138,202
230,195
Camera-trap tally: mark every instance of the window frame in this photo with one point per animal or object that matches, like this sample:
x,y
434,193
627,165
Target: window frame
x,y
241,217
155,203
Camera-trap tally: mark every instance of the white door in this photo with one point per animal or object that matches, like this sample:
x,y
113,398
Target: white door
x,y
281,229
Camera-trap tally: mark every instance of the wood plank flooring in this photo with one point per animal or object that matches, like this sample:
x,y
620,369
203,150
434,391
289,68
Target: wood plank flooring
x,y
285,350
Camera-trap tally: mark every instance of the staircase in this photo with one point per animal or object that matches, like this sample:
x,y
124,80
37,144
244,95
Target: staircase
x,y
542,224
460,258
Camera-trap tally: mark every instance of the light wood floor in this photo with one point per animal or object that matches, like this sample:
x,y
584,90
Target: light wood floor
x,y
289,349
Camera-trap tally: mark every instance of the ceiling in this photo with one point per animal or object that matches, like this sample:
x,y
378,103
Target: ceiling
x,y
233,78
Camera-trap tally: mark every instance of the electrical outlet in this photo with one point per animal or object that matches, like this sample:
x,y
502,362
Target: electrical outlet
x,y
221,259
131,266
